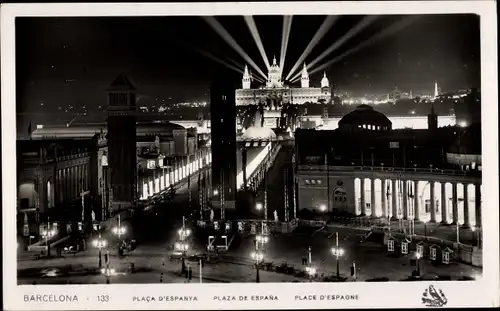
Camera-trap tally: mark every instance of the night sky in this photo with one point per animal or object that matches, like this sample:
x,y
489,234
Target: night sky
x,y
71,61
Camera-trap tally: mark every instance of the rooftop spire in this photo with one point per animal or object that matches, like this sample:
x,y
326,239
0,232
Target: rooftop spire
x,y
274,61
324,81
246,70
122,83
304,71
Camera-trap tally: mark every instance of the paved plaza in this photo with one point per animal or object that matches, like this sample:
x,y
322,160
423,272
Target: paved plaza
x,y
371,258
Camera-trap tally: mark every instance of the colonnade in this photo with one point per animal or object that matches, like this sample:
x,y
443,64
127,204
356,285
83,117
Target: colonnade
x,y
427,201
163,178
70,183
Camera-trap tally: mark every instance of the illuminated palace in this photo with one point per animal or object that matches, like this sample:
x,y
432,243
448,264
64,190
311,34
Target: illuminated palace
x,y
366,168
275,93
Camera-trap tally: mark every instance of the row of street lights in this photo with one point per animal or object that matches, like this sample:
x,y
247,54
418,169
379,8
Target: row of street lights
x,y
337,251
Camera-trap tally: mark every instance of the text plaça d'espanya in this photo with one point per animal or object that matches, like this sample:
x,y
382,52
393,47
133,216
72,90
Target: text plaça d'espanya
x,y
246,298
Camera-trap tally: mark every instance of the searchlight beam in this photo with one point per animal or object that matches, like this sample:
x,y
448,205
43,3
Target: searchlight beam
x,y
231,42
322,30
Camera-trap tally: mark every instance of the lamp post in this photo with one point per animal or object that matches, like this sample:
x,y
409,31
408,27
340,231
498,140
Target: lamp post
x,y
258,256
182,247
119,230
260,240
418,255
425,227
337,252
47,235
311,271
99,243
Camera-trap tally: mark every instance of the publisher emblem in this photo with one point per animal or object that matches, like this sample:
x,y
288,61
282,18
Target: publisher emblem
x,y
434,298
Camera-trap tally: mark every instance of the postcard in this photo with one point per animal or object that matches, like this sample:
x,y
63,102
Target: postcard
x,y
241,155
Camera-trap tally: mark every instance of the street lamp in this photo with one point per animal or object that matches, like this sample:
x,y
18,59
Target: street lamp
x,y
337,252
311,271
258,257
418,255
322,208
258,206
100,244
182,247
184,233
47,235
119,231
260,239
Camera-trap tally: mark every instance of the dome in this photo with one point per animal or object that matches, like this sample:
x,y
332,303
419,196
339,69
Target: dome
x,y
468,142
364,116
254,133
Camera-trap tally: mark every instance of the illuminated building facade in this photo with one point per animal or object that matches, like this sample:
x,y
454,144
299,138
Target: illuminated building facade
x,y
275,93
427,175
54,178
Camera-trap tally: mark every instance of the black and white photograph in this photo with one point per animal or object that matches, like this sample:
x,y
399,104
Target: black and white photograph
x,y
248,148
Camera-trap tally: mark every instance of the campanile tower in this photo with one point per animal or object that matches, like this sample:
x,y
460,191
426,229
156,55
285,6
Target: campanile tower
x,y
122,144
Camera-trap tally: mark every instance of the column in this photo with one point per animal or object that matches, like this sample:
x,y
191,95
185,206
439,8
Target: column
x,y
65,184
384,198
372,197
394,200
455,204
415,201
362,190
56,187
478,205
87,179
75,189
74,177
80,179
444,204
69,184
433,202
466,208
60,190
405,199
74,181
42,193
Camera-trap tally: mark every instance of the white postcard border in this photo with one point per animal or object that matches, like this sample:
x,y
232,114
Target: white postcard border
x,y
460,294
